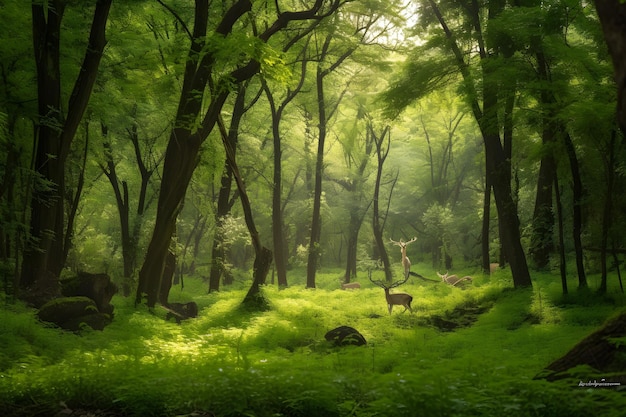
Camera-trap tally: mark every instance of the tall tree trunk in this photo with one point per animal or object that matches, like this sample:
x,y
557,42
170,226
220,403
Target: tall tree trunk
x,y
316,222
609,168
542,242
484,235
180,162
498,167
577,197
122,201
43,260
382,150
263,256
352,247
224,200
612,14
278,226
559,212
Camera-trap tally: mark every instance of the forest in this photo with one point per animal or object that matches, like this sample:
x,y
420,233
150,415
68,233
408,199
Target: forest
x,y
312,208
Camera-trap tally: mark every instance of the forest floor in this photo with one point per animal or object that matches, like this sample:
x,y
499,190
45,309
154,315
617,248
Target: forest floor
x,y
463,352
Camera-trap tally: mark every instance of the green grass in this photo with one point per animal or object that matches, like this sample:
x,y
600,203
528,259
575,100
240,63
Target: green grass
x,y
233,362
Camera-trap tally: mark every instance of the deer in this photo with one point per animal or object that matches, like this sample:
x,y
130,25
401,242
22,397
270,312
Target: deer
x,y
406,263
453,280
350,285
396,299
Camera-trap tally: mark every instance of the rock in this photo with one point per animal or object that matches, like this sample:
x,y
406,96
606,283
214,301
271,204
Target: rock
x,y
345,336
71,312
98,287
600,351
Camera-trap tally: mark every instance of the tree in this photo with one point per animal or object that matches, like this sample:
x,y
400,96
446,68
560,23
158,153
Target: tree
x,y
55,131
485,101
226,198
612,13
277,111
382,144
331,52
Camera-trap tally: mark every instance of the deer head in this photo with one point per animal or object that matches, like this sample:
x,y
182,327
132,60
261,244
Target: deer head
x,y
397,299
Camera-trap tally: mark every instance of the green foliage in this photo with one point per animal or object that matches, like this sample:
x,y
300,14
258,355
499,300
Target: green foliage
x,y
230,362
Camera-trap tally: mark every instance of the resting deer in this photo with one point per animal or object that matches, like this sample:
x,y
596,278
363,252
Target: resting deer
x,y
453,279
406,263
397,299
350,285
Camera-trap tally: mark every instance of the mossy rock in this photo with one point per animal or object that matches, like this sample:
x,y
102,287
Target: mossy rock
x,y
62,310
98,287
96,321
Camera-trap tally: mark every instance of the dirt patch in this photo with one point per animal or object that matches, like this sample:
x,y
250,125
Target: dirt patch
x,y
462,316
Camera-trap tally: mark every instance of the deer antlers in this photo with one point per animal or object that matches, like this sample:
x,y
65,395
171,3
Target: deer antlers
x,y
382,284
402,243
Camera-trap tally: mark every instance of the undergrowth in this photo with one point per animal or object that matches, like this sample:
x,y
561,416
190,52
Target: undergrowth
x,y
233,362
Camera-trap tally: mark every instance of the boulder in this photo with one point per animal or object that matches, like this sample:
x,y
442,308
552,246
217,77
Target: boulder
x,y
345,336
71,313
601,353
98,287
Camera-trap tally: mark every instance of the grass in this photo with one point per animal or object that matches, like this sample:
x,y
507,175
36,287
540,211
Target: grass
x,y
231,362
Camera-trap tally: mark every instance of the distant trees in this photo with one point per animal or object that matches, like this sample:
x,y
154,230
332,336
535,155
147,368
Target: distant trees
x,y
206,68
490,47
302,137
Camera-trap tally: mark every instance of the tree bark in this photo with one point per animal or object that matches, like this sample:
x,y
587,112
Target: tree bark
x,y
612,14
224,200
484,235
43,260
559,212
263,255
316,222
577,197
381,154
542,241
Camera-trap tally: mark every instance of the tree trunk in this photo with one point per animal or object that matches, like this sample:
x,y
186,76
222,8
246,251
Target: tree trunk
x,y
577,197
224,200
609,168
542,243
381,154
559,212
316,222
43,261
180,162
263,256
612,14
484,236
498,167
278,226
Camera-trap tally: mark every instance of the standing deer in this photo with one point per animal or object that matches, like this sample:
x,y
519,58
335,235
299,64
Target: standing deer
x,y
406,263
397,299
453,280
